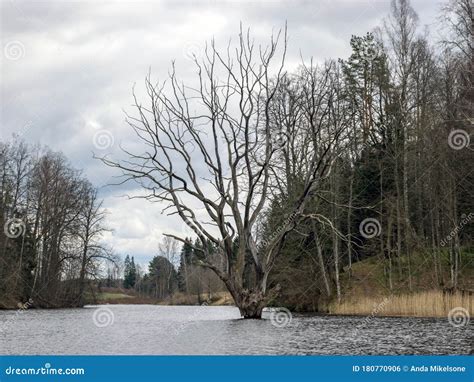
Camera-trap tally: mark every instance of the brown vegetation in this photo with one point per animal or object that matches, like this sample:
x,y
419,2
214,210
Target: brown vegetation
x,y
421,304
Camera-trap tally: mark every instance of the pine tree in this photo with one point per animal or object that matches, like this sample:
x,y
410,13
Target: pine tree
x,y
185,260
133,273
129,273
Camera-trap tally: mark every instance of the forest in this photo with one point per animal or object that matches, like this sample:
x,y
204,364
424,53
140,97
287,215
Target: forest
x,y
313,189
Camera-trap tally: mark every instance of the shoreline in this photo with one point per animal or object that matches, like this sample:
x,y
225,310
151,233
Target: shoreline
x,y
421,304
305,313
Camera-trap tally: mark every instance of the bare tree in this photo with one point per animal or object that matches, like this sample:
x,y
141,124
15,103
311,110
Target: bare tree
x,y
401,32
214,146
51,228
169,249
91,228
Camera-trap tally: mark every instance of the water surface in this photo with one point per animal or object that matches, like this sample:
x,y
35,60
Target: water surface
x,y
150,329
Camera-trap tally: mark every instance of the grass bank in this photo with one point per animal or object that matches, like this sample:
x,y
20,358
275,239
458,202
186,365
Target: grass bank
x,y
124,296
366,291
215,299
118,296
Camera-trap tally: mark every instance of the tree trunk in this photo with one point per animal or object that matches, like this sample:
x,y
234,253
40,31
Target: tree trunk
x,y
319,250
82,276
335,237
349,223
249,302
389,248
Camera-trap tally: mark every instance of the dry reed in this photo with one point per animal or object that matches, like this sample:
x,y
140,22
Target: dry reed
x,y
420,304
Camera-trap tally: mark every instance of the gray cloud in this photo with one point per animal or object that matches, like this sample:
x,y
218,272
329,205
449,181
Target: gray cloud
x,y
79,60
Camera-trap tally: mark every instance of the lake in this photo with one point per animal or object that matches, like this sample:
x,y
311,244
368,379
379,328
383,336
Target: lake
x,y
151,329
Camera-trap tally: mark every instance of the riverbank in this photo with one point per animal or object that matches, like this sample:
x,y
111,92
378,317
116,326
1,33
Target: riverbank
x,y
124,296
119,297
364,288
433,303
222,298
419,304
98,297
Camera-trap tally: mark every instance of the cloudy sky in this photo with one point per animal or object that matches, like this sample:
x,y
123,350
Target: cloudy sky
x,y
67,69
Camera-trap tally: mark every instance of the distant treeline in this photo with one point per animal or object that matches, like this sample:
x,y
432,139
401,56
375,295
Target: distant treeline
x,y
172,275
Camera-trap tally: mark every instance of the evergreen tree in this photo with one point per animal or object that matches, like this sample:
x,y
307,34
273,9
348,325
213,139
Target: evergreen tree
x,y
163,277
185,261
133,273
130,273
